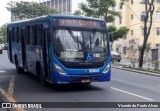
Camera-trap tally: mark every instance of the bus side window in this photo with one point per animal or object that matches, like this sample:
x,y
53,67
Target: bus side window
x,y
20,34
13,38
33,29
17,31
15,34
35,35
39,35
28,34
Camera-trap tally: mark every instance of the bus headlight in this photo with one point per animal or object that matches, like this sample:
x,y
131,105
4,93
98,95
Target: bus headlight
x,y
59,69
107,68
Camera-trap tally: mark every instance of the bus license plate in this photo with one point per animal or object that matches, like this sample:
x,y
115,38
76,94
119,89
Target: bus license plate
x,y
85,81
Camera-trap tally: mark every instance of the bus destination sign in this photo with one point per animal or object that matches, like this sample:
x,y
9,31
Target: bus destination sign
x,y
80,23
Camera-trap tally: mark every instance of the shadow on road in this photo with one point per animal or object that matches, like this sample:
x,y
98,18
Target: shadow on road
x,y
29,83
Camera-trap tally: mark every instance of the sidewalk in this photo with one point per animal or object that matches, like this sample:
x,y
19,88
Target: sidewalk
x,y
135,70
127,62
126,65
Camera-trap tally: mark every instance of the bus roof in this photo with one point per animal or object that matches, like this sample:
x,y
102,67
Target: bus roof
x,y
54,16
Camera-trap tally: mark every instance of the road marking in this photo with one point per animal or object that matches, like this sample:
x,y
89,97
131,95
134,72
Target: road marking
x,y
132,94
2,71
9,98
11,86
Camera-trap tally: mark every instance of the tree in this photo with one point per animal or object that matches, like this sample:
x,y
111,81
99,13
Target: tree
x,y
100,8
77,12
116,33
25,9
3,33
149,9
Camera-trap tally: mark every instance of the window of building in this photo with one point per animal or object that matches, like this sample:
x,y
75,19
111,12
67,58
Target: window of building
x,y
124,50
131,32
157,45
120,20
131,47
125,37
158,30
158,15
131,1
132,16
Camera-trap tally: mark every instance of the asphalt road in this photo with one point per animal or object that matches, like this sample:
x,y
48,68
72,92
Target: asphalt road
x,y
124,87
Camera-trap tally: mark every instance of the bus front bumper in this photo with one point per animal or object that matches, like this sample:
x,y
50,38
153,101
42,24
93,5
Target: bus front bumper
x,y
81,78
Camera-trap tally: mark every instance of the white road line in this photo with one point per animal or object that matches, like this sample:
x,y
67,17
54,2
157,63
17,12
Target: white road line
x,y
11,86
2,71
132,94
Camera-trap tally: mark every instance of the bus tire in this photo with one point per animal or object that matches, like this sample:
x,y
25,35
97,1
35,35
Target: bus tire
x,y
41,75
18,69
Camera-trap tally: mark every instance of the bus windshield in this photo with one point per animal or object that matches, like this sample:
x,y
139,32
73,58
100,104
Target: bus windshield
x,y
74,46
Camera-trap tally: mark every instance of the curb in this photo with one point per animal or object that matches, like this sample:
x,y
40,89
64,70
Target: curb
x,y
137,71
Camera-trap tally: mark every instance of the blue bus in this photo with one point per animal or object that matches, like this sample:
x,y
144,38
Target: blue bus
x,y
61,49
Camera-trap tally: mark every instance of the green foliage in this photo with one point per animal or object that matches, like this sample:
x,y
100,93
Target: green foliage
x,y
111,28
25,9
3,33
77,12
100,8
117,33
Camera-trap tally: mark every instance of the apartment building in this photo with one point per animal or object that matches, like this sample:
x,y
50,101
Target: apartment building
x,y
132,17
61,6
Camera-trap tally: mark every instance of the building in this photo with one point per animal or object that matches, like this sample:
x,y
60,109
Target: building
x,y
61,6
132,17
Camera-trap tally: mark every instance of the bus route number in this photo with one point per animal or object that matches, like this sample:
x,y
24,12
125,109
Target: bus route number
x,y
93,70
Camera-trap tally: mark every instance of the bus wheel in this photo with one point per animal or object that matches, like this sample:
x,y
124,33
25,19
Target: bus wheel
x,y
18,69
41,77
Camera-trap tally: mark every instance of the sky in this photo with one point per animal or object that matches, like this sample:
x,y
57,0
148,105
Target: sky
x,y
6,15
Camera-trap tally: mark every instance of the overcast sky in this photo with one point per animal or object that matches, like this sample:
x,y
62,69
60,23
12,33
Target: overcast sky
x,y
6,16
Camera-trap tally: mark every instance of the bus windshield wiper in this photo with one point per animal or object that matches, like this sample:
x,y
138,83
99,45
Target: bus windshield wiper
x,y
75,38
